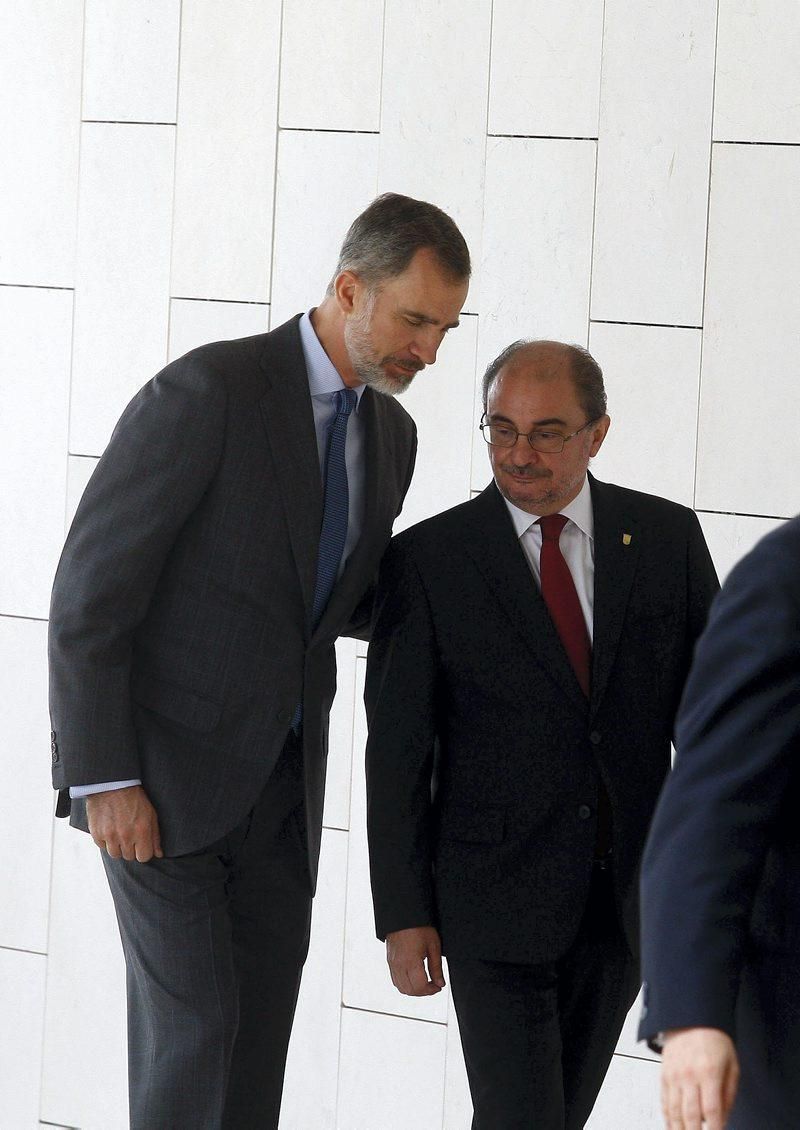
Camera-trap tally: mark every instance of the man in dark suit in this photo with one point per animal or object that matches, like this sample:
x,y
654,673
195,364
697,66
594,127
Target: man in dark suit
x,y
721,873
230,533
528,654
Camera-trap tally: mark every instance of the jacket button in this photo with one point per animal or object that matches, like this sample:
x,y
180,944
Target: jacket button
x,y
284,715
595,738
54,747
55,757
584,812
53,735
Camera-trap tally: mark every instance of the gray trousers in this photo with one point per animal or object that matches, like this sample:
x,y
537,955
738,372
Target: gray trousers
x,y
214,945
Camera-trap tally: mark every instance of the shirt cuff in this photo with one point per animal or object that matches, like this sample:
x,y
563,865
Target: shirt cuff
x,y
77,791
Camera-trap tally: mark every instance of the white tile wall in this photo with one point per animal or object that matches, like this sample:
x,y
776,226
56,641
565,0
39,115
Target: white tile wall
x,y
25,833
224,171
22,977
545,77
439,400
757,89
652,379
434,106
121,302
130,60
749,393
629,1097
340,736
194,322
222,223
391,1073
35,342
40,76
80,469
84,1075
312,1076
731,536
324,180
628,1044
331,62
653,161
537,247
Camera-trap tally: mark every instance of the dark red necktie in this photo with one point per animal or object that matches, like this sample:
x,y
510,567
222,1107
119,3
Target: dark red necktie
x,y
561,598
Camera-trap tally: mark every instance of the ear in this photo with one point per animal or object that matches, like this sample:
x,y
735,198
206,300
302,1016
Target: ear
x,y
598,433
346,286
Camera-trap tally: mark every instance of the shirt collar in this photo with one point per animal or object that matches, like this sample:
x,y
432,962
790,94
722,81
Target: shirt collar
x,y
578,511
323,378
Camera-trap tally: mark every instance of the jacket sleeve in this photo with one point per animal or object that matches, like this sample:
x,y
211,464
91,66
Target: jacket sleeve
x,y
400,697
737,737
160,460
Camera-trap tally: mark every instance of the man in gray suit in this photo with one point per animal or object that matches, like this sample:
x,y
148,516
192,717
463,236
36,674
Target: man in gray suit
x,y
230,533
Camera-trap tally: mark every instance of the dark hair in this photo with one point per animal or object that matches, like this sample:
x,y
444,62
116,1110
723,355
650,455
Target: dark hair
x,y
584,370
383,240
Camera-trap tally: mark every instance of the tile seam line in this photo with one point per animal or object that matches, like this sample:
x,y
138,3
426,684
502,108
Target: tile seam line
x,y
36,286
393,1015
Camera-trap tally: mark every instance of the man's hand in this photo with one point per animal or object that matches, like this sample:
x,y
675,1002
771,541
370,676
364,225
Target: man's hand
x,y
407,952
699,1078
123,822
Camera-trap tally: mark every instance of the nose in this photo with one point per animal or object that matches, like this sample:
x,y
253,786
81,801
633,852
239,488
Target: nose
x,y
426,346
522,453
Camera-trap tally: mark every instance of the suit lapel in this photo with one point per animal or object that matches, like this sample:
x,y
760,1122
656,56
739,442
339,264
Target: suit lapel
x,y
493,545
616,550
289,421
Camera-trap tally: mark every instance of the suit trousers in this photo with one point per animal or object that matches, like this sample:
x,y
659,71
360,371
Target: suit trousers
x,y
214,945
538,1039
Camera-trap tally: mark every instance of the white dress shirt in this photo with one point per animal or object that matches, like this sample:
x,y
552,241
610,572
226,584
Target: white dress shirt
x,y
576,543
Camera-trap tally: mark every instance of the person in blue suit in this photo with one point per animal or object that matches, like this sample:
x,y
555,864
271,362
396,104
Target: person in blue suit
x,y
721,872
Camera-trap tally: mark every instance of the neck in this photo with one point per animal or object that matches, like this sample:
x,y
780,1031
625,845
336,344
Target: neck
x,y
328,323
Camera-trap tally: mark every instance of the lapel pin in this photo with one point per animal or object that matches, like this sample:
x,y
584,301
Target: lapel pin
x,y
626,539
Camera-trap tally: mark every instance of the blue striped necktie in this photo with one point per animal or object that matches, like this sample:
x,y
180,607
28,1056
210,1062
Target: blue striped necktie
x,y
333,533
334,516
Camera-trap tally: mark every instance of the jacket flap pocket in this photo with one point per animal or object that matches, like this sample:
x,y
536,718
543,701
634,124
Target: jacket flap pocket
x,y
473,825
176,703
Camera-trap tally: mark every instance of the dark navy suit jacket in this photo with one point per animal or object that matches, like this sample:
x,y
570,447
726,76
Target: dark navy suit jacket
x,y
721,873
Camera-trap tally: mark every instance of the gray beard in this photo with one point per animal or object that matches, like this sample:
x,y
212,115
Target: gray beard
x,y
367,369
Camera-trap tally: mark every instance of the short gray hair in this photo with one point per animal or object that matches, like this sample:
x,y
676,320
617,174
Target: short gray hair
x,y
383,240
584,370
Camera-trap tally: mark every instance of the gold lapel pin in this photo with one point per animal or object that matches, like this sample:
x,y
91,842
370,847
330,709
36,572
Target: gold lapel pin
x,y
626,539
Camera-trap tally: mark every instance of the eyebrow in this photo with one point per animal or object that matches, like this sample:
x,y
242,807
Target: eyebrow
x,y
428,321
537,424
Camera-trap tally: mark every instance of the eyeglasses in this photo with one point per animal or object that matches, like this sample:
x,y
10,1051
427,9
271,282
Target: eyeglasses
x,y
541,439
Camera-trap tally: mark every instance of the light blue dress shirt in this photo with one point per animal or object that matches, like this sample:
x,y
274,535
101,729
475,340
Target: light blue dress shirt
x,y
323,383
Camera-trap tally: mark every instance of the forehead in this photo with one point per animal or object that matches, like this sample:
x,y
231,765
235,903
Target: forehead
x,y
424,286
530,391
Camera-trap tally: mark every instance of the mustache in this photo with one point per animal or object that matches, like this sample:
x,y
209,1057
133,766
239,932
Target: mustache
x,y
412,365
526,472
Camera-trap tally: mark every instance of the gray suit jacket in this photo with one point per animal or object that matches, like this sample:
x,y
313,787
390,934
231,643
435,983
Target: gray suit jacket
x,y
180,623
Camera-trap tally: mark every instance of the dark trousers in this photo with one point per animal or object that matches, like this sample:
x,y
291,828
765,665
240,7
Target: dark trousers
x,y
538,1039
214,945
